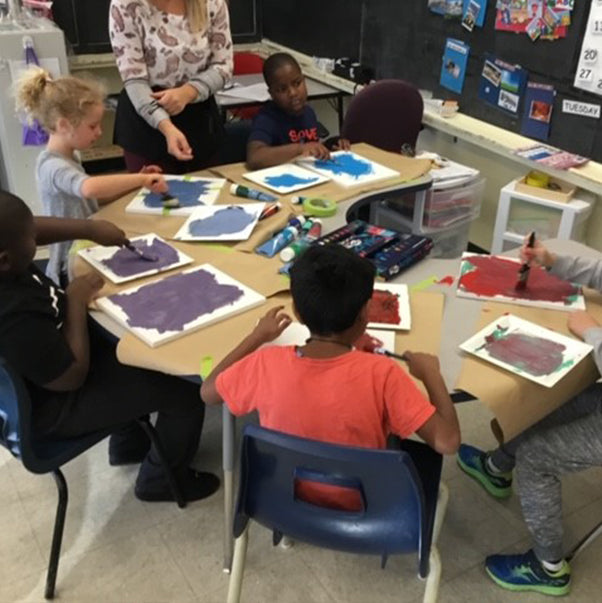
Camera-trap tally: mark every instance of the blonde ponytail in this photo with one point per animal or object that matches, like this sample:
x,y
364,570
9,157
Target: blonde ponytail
x,y
47,99
196,11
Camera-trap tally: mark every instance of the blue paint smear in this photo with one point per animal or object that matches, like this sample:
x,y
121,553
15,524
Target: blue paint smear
x,y
345,164
287,180
224,221
187,193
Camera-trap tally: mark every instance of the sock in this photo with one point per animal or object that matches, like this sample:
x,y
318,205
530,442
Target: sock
x,y
491,467
552,566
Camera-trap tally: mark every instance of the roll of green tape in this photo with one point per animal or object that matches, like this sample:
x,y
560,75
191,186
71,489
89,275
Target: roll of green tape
x,y
322,208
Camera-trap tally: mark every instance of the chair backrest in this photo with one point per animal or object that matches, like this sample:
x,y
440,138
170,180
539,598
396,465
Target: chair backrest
x,y
386,114
38,455
246,63
394,518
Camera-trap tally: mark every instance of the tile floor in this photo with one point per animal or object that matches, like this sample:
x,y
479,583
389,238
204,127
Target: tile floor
x,y
117,549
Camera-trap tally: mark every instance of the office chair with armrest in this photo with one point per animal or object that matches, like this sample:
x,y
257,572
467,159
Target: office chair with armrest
x,y
404,500
49,455
386,114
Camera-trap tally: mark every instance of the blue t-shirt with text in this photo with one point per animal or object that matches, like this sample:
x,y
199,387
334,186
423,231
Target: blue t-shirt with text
x,y
275,127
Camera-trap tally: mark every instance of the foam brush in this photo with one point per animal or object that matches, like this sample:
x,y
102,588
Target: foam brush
x,y
523,271
147,257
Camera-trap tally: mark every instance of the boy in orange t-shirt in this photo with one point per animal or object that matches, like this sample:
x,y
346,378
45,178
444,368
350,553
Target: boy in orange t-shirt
x,y
326,390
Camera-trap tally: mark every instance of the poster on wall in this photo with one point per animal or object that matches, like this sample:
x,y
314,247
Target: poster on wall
x,y
453,65
502,84
539,19
589,70
473,13
537,111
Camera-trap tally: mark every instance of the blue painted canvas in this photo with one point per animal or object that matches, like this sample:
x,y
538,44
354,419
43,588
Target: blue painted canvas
x,y
286,178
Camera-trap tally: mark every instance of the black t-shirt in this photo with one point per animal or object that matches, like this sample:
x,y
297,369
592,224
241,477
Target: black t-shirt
x,y
32,311
275,127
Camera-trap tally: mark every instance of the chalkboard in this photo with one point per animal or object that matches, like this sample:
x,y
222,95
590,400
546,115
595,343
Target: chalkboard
x,y
405,40
86,23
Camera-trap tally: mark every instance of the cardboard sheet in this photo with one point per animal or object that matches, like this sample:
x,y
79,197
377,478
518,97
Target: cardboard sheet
x,y
518,403
184,356
408,168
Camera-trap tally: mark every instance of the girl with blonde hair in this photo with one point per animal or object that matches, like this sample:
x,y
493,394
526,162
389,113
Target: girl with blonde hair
x,y
173,56
70,110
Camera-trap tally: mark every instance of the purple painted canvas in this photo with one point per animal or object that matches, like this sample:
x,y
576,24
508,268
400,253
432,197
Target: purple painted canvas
x,y
172,303
186,192
126,263
224,221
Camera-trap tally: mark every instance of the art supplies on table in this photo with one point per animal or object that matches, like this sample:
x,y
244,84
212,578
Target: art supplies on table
x,y
312,229
389,307
179,304
281,239
250,193
526,349
551,157
493,278
348,169
120,264
286,178
221,223
270,210
186,193
361,237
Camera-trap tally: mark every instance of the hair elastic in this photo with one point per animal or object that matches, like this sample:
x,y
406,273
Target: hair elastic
x,y
323,208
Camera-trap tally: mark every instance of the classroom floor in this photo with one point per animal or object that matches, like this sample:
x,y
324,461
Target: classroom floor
x,y
117,549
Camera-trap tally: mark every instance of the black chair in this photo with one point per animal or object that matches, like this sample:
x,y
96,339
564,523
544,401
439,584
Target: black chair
x,y
386,114
48,455
404,500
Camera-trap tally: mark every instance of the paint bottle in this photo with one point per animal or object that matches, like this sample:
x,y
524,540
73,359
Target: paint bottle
x,y
286,236
296,248
250,193
270,210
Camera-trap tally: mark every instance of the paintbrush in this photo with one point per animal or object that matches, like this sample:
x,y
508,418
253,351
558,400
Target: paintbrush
x,y
385,352
169,200
523,271
147,257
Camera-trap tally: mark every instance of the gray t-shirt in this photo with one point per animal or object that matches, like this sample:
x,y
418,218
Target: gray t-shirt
x,y
59,185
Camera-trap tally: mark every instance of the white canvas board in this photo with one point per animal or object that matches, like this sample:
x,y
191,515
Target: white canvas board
x,y
191,191
221,223
511,326
348,169
164,298
297,334
253,92
578,303
404,312
286,178
95,256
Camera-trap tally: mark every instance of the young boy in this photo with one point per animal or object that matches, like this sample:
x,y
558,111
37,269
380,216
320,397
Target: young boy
x,y
567,440
74,379
326,390
286,127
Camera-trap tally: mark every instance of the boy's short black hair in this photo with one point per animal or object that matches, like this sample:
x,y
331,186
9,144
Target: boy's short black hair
x,y
274,62
330,284
14,213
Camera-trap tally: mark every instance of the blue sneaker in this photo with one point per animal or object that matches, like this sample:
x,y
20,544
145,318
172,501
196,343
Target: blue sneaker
x,y
472,461
525,572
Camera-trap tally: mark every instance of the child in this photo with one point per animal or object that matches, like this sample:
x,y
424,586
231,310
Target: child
x,y
286,127
567,440
71,110
74,379
326,390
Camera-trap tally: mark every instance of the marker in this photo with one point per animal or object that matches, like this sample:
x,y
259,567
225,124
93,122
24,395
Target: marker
x,y
250,193
286,236
270,210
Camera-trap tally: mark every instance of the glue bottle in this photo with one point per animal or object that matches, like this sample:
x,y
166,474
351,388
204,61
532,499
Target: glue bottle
x,y
286,236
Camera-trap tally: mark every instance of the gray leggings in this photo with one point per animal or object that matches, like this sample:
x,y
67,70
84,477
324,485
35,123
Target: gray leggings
x,y
566,441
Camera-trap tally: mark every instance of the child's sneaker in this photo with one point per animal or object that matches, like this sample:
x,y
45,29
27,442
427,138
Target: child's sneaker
x,y
525,572
472,461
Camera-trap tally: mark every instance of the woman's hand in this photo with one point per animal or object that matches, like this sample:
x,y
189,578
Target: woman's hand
x,y
271,325
174,100
177,144
106,233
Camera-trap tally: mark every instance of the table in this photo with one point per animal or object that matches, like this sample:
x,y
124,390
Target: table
x,y
459,315
315,90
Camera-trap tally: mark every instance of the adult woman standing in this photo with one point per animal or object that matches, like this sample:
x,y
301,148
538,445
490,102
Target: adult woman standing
x,y
173,55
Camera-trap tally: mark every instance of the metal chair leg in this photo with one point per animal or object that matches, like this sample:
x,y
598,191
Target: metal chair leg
x,y
57,535
238,566
145,423
584,542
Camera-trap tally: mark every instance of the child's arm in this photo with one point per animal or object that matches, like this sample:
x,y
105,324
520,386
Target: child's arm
x,y
267,329
53,230
261,155
442,431
75,331
109,188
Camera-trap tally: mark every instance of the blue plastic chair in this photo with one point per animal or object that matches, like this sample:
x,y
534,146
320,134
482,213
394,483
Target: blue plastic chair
x,y
403,499
48,455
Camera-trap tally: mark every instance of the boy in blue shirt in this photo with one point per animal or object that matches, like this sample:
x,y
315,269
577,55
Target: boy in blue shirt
x,y
286,127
